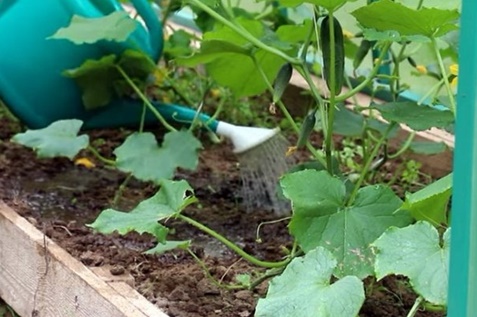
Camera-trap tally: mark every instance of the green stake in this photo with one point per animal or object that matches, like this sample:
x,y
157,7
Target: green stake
x,y
462,300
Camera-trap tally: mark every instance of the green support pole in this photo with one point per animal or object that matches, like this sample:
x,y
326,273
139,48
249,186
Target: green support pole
x,y
462,301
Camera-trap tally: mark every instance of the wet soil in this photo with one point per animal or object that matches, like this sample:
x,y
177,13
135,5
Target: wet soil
x,y
60,198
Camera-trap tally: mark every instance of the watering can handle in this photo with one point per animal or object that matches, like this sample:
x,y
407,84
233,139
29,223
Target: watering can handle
x,y
154,26
145,10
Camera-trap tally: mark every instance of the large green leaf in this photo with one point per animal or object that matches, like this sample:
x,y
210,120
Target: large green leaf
x,y
228,58
240,74
320,218
211,50
136,64
146,160
417,117
427,147
430,203
385,15
163,247
116,26
304,290
346,122
96,80
172,198
416,252
393,36
58,139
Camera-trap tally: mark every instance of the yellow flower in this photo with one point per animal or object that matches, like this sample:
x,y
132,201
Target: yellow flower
x,y
421,69
159,76
348,34
215,93
86,162
454,70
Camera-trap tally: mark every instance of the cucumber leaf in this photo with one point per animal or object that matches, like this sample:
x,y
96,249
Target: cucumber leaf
x,y
116,26
56,140
387,15
172,198
322,218
417,117
146,160
430,203
416,252
304,289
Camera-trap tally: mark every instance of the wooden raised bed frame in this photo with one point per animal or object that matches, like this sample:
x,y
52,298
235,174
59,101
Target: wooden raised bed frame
x,y
39,278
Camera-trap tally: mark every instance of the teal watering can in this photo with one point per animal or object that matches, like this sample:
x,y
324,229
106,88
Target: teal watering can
x,y
31,66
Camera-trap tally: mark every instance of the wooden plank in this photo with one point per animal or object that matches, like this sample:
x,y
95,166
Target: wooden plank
x,y
39,278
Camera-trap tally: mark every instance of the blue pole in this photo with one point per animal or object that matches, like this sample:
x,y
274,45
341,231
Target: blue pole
x,y
462,300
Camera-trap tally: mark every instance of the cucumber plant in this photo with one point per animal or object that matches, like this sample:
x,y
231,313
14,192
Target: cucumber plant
x,y
345,229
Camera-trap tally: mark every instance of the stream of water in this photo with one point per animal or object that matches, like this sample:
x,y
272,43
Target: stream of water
x,y
260,169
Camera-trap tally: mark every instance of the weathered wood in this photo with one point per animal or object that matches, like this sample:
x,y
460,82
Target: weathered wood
x,y
39,278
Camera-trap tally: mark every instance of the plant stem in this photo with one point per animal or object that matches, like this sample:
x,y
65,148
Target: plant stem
x,y
244,33
145,99
100,157
287,114
444,76
368,163
431,91
404,147
415,307
232,245
209,276
396,71
268,274
368,79
143,118
179,91
120,190
332,102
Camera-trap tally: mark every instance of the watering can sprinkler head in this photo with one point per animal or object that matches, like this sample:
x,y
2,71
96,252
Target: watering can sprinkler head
x,y
245,138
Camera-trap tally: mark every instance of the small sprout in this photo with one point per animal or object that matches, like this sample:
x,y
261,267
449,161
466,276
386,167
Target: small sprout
x,y
86,162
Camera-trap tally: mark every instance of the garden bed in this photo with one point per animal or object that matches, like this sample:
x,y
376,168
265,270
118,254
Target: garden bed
x,y
59,198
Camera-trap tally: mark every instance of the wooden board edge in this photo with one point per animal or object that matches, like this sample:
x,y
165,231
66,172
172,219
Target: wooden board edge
x,y
39,278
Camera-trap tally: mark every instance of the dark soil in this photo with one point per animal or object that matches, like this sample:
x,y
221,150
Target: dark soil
x,y
59,198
